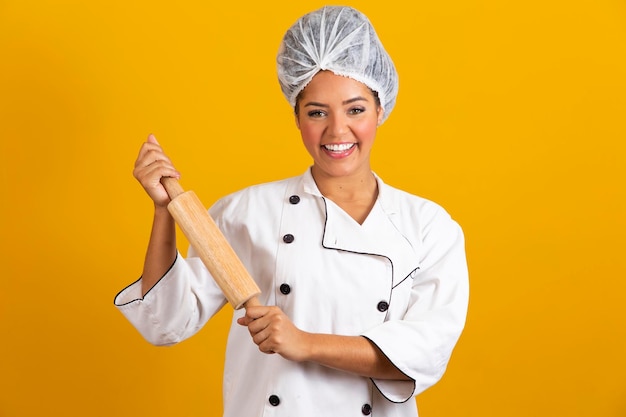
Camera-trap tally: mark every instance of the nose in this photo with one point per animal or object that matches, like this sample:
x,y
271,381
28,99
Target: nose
x,y
337,125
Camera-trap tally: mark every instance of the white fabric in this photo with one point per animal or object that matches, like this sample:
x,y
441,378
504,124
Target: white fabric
x,y
408,252
341,40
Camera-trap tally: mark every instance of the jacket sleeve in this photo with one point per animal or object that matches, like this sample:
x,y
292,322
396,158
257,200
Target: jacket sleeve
x,y
421,342
178,305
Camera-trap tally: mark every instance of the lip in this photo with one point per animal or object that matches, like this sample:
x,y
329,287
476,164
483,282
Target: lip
x,y
340,154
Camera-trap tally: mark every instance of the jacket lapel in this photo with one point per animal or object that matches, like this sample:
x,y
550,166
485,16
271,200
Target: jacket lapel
x,y
377,236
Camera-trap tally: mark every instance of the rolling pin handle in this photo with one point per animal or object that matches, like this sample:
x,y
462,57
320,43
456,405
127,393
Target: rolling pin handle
x,y
172,186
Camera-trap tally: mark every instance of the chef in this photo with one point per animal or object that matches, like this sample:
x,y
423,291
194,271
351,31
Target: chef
x,y
364,286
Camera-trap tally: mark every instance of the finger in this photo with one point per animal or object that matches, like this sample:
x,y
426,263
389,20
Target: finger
x,y
150,146
153,173
256,326
266,347
157,158
261,338
153,162
154,157
256,312
244,321
152,139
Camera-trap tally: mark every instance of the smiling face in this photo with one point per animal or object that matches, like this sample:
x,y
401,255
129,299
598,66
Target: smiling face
x,y
338,117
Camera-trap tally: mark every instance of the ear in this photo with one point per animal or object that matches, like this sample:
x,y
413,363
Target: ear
x,y
295,116
381,114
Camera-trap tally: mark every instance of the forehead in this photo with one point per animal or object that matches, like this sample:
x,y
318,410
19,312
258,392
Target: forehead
x,y
327,85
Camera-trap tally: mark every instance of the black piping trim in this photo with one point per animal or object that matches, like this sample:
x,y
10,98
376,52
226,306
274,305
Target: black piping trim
x,y
404,279
374,382
147,292
363,253
360,253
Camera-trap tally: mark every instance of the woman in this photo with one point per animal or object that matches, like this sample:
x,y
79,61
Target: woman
x,y
364,287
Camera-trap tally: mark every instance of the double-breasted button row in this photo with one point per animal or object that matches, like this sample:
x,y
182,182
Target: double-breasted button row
x,y
289,238
274,400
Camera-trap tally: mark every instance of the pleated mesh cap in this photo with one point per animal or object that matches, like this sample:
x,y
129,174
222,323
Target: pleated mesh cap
x,y
338,39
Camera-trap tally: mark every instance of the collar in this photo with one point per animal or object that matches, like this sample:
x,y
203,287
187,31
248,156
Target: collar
x,y
378,235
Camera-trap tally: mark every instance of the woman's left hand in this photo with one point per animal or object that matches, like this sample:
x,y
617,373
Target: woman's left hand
x,y
274,332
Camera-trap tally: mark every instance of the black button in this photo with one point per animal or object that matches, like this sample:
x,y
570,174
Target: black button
x,y
288,238
274,400
383,306
294,199
366,409
285,289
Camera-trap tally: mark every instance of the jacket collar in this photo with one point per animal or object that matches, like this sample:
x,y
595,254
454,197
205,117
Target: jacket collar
x,y
378,235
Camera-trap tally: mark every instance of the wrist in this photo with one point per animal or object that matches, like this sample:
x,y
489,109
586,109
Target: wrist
x,y
163,216
160,210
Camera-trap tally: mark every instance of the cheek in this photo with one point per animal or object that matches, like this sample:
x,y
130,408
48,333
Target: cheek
x,y
366,131
310,136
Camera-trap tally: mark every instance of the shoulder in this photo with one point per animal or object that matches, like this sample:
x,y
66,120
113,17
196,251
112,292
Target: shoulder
x,y
397,200
253,199
417,216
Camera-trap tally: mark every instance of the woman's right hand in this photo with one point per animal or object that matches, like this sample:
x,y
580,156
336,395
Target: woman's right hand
x,y
151,165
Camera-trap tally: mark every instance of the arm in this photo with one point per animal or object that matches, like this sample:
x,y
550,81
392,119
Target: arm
x,y
175,296
273,332
161,251
151,165
354,354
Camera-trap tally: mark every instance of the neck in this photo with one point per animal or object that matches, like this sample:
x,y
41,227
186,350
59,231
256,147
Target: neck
x,y
358,187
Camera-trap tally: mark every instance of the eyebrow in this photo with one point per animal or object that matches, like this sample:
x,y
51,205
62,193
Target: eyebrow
x,y
352,100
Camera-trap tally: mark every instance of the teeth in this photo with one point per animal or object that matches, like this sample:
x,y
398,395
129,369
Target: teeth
x,y
338,147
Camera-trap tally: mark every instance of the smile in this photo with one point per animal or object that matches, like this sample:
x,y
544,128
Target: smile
x,y
338,147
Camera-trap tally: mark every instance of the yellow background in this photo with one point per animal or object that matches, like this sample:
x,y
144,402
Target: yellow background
x,y
510,114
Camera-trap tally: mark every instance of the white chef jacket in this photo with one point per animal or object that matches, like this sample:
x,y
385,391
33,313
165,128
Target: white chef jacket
x,y
399,279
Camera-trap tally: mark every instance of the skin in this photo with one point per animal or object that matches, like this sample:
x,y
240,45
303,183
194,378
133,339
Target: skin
x,y
332,111
151,165
335,110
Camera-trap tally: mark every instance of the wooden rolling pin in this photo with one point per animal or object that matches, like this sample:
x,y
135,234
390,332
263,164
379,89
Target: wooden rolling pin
x,y
212,247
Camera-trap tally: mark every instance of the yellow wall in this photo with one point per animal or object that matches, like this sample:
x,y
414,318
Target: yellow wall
x,y
510,114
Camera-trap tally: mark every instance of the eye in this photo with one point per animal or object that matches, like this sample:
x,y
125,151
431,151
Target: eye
x,y
316,113
356,110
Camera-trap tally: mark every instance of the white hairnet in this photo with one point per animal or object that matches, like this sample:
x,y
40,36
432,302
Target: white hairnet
x,y
341,40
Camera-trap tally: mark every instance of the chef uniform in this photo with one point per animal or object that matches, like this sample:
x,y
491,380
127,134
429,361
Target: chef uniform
x,y
399,279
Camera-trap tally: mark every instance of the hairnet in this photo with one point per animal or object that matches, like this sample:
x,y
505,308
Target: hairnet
x,y
341,40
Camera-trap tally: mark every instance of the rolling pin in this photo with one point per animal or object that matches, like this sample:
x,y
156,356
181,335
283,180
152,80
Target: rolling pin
x,y
212,247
